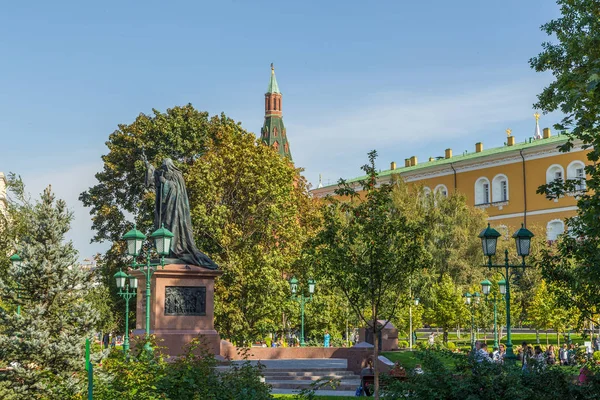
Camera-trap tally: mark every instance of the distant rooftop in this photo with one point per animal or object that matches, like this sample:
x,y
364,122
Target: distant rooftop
x,y
465,157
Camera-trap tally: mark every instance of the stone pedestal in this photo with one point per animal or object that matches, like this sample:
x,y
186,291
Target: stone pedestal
x,y
388,336
178,311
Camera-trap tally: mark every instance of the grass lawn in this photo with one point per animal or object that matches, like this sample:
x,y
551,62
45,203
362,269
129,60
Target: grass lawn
x,y
408,359
292,396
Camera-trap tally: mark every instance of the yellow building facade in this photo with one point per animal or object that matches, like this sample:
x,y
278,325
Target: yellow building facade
x,y
501,180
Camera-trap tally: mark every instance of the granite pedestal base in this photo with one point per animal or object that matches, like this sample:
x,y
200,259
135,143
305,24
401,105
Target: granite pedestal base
x,y
181,307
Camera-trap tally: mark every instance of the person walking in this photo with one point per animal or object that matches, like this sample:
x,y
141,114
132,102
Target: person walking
x,y
326,338
563,355
523,355
550,355
571,355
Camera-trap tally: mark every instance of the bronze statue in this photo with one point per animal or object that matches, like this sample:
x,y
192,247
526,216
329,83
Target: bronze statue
x,y
172,209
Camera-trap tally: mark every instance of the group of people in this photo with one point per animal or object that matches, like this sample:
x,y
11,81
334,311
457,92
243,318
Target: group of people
x,y
526,354
481,353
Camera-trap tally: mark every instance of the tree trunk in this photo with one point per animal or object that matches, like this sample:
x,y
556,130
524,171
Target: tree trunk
x,y
558,338
376,359
445,336
546,337
537,336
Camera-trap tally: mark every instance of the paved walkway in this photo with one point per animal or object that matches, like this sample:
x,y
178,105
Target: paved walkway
x,y
318,392
301,363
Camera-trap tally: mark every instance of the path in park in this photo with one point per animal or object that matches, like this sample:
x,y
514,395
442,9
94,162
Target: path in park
x,y
291,376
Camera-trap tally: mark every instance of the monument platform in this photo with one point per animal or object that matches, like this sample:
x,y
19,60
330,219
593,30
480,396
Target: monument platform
x,y
181,306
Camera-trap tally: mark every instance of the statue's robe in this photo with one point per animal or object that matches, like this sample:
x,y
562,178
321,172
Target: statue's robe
x,y
172,209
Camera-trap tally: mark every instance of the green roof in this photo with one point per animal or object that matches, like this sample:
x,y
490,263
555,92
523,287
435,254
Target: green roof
x,y
273,87
467,156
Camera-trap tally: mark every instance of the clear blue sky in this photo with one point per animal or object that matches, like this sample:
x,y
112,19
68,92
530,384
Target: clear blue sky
x,y
403,77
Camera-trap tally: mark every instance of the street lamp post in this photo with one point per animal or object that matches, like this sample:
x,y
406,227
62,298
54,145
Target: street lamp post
x,y
17,262
125,292
410,327
472,301
489,237
485,288
162,238
302,299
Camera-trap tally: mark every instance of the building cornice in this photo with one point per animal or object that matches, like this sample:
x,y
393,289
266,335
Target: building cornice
x,y
483,162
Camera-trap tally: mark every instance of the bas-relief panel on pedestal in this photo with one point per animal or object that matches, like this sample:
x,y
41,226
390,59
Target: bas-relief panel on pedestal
x,y
185,300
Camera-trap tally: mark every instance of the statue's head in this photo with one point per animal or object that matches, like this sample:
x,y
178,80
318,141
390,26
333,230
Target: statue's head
x,y
167,164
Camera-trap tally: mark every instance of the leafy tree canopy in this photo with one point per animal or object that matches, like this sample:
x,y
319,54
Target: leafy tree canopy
x,y
573,58
252,213
250,208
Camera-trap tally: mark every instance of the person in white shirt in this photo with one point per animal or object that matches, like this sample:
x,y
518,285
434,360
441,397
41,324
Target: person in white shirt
x,y
495,355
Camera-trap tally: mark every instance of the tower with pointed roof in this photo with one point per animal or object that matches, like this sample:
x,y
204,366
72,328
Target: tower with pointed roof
x,y
273,131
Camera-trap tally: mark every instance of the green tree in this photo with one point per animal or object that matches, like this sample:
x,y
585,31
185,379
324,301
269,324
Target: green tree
x,y
545,313
542,309
445,308
251,213
250,209
368,248
573,58
453,227
452,242
46,341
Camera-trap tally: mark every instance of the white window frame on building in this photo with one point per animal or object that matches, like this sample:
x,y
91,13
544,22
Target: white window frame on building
x,y
554,229
441,189
555,172
500,188
482,191
576,171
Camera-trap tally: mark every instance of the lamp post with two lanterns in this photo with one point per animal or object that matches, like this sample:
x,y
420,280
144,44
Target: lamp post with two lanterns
x,y
489,238
126,291
472,301
302,299
485,288
162,238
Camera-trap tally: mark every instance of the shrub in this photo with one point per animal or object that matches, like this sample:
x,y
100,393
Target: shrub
x,y
596,356
451,346
192,376
403,344
468,379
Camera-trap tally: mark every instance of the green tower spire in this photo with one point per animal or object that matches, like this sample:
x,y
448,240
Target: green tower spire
x,y
273,86
273,132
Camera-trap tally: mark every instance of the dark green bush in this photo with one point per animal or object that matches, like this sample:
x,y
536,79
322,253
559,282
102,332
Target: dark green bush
x,y
469,380
192,376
